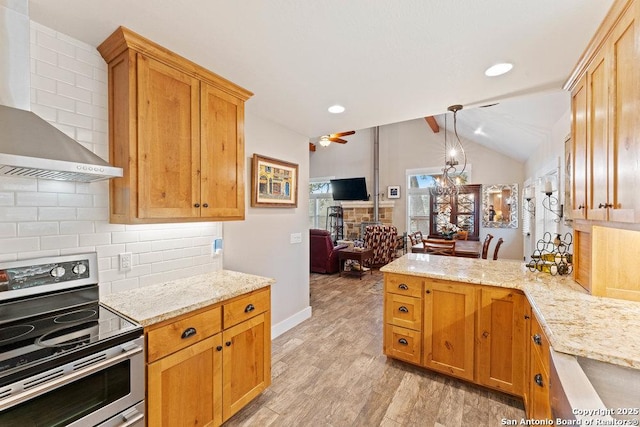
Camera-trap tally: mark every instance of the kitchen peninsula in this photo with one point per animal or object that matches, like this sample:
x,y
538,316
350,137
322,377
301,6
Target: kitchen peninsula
x,y
492,322
206,336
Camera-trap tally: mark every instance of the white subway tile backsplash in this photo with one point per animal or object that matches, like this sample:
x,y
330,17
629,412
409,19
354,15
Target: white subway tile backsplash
x,y
72,64
56,214
90,56
94,214
7,198
139,270
53,100
74,119
43,83
95,239
36,199
51,71
44,54
15,214
8,229
38,254
78,200
59,242
125,237
110,250
18,184
124,285
46,39
77,227
51,186
138,247
19,244
47,113
37,229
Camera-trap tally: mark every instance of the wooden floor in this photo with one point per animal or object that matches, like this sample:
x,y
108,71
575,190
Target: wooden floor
x,y
330,371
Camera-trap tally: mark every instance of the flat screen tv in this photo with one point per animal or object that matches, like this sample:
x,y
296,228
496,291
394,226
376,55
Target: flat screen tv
x,y
349,189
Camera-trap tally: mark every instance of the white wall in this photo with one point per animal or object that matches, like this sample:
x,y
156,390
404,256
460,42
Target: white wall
x,y
45,218
412,145
261,244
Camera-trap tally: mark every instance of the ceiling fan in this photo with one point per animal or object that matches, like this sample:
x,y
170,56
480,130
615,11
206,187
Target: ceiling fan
x,y
325,140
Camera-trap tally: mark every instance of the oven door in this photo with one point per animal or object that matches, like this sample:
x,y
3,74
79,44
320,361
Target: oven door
x,y
106,388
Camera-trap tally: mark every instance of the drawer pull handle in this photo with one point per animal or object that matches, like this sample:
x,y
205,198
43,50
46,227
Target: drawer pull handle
x,y
228,343
538,379
403,341
197,205
219,348
188,332
249,308
403,309
526,317
537,339
403,287
428,291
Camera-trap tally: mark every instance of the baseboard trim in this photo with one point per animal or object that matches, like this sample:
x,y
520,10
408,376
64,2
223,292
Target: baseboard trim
x,y
290,322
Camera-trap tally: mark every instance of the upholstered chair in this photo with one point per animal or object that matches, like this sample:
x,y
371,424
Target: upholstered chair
x,y
323,254
382,239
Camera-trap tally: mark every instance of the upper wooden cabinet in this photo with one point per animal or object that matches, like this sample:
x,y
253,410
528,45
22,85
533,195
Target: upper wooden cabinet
x,y
177,130
605,126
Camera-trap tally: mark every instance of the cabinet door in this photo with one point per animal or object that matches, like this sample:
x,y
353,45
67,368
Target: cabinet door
x,y
597,81
168,141
449,312
185,388
579,141
501,339
624,146
222,139
246,369
540,405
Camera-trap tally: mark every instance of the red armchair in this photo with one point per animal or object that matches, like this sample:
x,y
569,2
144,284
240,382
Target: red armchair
x,y
323,255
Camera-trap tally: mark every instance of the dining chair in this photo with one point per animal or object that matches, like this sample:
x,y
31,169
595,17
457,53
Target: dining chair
x,y
495,251
440,247
462,235
485,245
415,238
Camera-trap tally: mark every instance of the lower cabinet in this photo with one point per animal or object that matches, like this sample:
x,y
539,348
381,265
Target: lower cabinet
x,y
203,367
539,400
185,388
449,311
501,339
477,333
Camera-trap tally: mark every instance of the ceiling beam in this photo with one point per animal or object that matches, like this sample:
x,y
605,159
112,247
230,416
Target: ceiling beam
x,y
312,147
432,124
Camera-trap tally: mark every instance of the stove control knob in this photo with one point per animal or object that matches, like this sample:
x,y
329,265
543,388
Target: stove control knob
x,y
79,269
57,272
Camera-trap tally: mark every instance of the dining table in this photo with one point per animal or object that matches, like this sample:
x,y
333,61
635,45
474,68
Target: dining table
x,y
464,248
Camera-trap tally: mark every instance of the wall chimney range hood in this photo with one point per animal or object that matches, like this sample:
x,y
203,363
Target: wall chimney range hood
x,y
30,147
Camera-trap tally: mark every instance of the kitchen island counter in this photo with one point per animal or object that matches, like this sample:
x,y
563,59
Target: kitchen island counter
x,y
575,322
156,303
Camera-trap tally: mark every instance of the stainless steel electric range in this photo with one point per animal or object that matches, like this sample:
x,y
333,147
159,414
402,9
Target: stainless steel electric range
x,y
64,358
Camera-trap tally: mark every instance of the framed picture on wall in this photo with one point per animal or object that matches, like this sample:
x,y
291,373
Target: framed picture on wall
x,y
393,192
274,183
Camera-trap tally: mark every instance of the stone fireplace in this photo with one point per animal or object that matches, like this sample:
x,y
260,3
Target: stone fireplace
x,y
356,213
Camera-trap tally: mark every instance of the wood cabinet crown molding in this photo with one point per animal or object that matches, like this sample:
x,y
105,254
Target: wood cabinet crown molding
x,y
597,42
123,39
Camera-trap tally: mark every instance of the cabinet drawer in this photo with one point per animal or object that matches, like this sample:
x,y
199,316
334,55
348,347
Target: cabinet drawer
x,y
402,343
183,333
403,285
403,311
540,344
246,307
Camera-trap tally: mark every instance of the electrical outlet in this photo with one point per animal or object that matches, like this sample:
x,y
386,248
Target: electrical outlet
x,y
295,238
125,261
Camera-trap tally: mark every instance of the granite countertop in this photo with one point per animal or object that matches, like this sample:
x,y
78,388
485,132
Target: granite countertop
x,y
153,304
575,322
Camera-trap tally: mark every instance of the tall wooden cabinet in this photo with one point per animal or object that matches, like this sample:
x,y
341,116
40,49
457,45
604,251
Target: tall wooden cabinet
x,y
605,92
177,130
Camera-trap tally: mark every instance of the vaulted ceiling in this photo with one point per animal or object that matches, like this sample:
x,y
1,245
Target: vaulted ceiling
x,y
385,60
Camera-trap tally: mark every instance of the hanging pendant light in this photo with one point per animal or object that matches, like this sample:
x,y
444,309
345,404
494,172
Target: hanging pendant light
x,y
455,160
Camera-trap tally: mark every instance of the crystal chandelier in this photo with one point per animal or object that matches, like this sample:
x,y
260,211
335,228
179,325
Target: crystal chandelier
x,y
455,160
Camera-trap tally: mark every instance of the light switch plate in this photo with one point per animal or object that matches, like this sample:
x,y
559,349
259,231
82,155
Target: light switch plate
x,y
296,238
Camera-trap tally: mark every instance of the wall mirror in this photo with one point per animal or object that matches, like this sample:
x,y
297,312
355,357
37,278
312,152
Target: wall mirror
x,y
500,206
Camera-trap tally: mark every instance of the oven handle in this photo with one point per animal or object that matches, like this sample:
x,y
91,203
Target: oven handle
x,y
131,416
55,383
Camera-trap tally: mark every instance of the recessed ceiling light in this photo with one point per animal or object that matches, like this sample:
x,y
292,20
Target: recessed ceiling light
x,y
336,109
498,69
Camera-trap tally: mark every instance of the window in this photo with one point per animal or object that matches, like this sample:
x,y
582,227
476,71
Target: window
x,y
419,185
320,198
